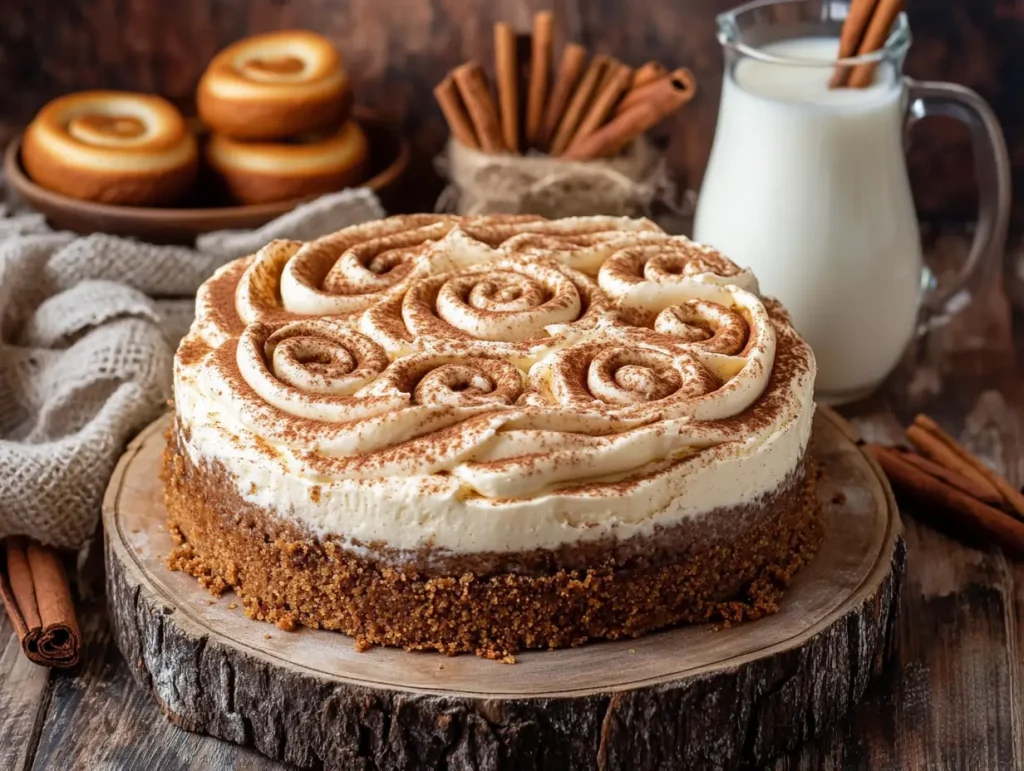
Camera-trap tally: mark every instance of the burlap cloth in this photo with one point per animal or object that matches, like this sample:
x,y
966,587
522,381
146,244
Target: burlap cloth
x,y
627,185
88,328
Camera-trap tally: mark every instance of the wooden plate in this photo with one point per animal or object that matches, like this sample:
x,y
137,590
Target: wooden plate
x,y
389,158
686,698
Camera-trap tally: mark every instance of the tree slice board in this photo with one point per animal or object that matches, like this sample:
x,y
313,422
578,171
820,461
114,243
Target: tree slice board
x,y
695,697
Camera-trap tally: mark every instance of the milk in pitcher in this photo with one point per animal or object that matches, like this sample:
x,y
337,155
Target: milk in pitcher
x,y
807,186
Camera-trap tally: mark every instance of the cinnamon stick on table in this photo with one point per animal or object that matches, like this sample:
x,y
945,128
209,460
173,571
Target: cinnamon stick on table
x,y
476,95
459,122
671,94
949,505
955,478
932,447
967,460
36,594
570,70
540,72
507,75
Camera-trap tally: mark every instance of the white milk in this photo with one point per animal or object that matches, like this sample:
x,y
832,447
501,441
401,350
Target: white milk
x,y
808,187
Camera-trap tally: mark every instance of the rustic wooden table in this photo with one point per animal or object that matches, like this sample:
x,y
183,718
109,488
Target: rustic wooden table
x,y
952,698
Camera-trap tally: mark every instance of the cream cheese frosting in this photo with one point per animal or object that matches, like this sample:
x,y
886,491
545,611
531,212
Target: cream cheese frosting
x,y
493,384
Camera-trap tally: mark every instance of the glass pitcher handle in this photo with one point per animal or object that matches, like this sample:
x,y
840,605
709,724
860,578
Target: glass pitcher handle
x,y
993,168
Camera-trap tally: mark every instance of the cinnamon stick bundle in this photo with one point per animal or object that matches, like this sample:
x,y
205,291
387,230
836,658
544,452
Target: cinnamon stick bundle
x,y
540,68
447,95
612,87
507,76
476,95
948,504
646,74
570,70
37,596
579,104
967,462
664,97
865,29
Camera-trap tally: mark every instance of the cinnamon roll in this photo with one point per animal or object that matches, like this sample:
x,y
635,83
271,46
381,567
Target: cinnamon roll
x,y
493,433
112,147
261,172
274,86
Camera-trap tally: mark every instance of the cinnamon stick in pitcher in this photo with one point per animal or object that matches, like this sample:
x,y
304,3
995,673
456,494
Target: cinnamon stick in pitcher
x,y
579,104
570,70
459,123
37,596
874,38
540,72
858,16
476,95
507,76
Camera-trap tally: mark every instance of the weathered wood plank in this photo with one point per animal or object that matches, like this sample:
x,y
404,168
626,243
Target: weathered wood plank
x,y
98,718
23,696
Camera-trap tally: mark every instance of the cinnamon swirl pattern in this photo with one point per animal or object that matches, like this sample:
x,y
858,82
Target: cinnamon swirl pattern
x,y
547,382
489,434
112,147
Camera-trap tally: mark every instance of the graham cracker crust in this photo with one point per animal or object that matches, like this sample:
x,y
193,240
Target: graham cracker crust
x,y
289,577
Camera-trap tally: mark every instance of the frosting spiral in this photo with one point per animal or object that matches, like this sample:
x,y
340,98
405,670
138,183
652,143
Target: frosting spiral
x,y
493,384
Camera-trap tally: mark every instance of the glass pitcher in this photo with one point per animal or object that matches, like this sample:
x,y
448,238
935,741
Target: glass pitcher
x,y
808,185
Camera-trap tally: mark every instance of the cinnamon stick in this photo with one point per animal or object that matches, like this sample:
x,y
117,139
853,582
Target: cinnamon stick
x,y
476,95
654,90
613,88
540,73
646,74
983,493
958,480
949,505
1010,495
932,447
37,596
459,123
611,138
570,69
579,104
874,38
507,76
858,16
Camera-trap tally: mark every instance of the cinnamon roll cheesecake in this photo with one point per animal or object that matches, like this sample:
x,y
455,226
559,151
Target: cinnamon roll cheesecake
x,y
491,434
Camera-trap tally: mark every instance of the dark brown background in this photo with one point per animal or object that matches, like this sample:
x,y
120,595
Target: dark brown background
x,y
397,50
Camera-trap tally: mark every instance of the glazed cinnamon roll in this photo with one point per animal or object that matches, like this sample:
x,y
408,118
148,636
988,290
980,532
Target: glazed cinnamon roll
x,y
273,86
261,172
112,147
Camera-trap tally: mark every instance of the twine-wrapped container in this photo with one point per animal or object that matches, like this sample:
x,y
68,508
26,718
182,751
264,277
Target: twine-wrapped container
x,y
486,183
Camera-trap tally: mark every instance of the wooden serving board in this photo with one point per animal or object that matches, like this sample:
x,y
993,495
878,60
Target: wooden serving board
x,y
694,697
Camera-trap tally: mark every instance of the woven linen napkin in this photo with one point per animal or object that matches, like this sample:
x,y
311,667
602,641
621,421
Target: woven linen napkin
x,y
88,328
